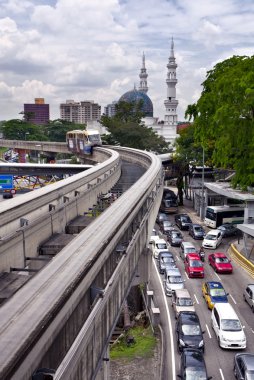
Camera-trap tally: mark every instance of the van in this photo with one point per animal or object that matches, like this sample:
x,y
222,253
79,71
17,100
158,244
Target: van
x,y
227,327
185,248
172,280
181,301
212,239
159,245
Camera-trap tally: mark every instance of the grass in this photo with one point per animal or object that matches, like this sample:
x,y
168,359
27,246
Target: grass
x,y
143,347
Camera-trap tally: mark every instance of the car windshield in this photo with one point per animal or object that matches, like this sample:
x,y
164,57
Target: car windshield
x,y
217,292
175,279
191,330
196,264
192,373
186,219
176,235
190,250
231,325
210,237
167,260
184,302
198,229
161,245
167,223
221,260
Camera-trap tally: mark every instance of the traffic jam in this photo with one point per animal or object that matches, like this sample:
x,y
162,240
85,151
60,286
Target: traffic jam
x,y
210,298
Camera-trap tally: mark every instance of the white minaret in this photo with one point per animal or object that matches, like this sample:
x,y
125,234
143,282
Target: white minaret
x,y
171,103
143,77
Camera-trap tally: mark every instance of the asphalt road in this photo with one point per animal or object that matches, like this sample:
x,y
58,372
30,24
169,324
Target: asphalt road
x,y
219,361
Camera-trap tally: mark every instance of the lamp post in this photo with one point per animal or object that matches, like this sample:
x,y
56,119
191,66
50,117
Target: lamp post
x,y
202,185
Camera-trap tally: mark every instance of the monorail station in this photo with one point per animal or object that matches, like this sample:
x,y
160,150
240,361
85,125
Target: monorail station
x,y
226,192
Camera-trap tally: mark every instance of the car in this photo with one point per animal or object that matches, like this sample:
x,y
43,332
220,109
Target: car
x,y
154,236
212,239
166,226
181,301
192,365
165,260
185,248
193,265
158,246
172,281
220,263
175,238
188,331
228,230
213,292
161,216
227,327
244,366
183,221
196,231
248,295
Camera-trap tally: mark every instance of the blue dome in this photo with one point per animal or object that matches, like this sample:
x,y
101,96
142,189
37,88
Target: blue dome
x,y
135,96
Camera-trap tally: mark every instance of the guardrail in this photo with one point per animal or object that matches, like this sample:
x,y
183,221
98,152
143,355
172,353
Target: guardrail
x,y
54,315
245,263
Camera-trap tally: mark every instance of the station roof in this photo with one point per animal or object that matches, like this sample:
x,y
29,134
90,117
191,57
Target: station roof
x,y
224,188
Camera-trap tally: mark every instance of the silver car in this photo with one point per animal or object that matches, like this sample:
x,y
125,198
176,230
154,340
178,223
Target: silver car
x,y
248,296
172,281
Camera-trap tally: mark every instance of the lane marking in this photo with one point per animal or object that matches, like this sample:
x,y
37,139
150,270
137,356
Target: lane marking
x,y
169,324
197,301
177,258
232,299
218,276
221,373
208,331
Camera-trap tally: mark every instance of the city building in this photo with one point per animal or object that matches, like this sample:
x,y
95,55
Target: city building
x,y
80,112
110,109
37,113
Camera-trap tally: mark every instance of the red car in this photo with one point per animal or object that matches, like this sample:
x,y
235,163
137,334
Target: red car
x,y
193,265
220,263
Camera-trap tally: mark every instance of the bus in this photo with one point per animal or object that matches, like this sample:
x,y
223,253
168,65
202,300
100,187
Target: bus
x,y
215,216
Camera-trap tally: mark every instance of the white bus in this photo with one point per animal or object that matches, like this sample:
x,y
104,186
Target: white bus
x,y
215,216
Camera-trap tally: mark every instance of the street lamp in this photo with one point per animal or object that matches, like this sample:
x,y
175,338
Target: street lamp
x,y
202,185
39,150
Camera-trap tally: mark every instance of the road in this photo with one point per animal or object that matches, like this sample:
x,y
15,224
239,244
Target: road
x,y
219,362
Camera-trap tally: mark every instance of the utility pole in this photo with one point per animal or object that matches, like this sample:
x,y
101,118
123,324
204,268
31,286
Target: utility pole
x,y
202,185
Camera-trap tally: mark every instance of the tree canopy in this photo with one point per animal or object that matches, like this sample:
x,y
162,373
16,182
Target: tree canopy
x,y
224,115
127,129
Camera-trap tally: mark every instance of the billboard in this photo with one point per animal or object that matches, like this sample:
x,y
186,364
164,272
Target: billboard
x,y
6,182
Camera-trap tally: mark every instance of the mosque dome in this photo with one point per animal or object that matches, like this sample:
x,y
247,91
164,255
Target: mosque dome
x,y
135,96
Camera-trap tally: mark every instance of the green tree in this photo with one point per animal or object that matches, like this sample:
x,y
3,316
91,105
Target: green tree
x,y
224,117
127,129
17,129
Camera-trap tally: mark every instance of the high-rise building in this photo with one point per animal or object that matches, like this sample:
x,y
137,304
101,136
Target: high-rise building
x,y
110,109
37,113
80,112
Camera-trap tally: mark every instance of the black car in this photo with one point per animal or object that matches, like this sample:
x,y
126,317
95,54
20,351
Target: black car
x,y
188,331
165,260
228,230
175,238
196,231
193,365
244,366
183,221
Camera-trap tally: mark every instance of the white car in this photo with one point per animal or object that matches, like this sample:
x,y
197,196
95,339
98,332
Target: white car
x,y
212,239
227,327
159,245
154,236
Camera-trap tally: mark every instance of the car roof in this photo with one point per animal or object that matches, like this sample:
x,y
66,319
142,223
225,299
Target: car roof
x,y
160,241
193,256
248,359
193,357
173,272
182,293
188,316
213,232
166,254
188,244
226,310
214,284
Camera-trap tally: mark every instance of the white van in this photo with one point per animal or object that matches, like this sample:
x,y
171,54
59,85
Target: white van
x,y
212,239
159,245
185,248
227,327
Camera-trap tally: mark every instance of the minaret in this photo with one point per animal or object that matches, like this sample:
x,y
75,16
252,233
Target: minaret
x,y
143,77
171,103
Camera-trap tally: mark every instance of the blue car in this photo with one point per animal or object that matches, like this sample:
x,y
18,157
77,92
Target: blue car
x,y
213,292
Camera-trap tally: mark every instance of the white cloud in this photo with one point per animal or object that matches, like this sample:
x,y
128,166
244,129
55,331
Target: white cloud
x,y
83,49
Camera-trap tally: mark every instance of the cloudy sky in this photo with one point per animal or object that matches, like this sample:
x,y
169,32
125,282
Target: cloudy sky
x,y
92,49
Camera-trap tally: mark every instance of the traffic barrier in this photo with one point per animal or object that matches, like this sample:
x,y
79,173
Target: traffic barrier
x,y
242,260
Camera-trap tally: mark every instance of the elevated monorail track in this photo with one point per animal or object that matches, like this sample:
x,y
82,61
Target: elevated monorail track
x,y
63,318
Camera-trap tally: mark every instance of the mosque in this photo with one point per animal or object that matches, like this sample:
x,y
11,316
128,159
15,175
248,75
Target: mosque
x,y
167,127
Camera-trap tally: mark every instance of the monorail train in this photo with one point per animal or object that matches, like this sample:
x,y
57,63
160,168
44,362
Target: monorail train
x,y
82,141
